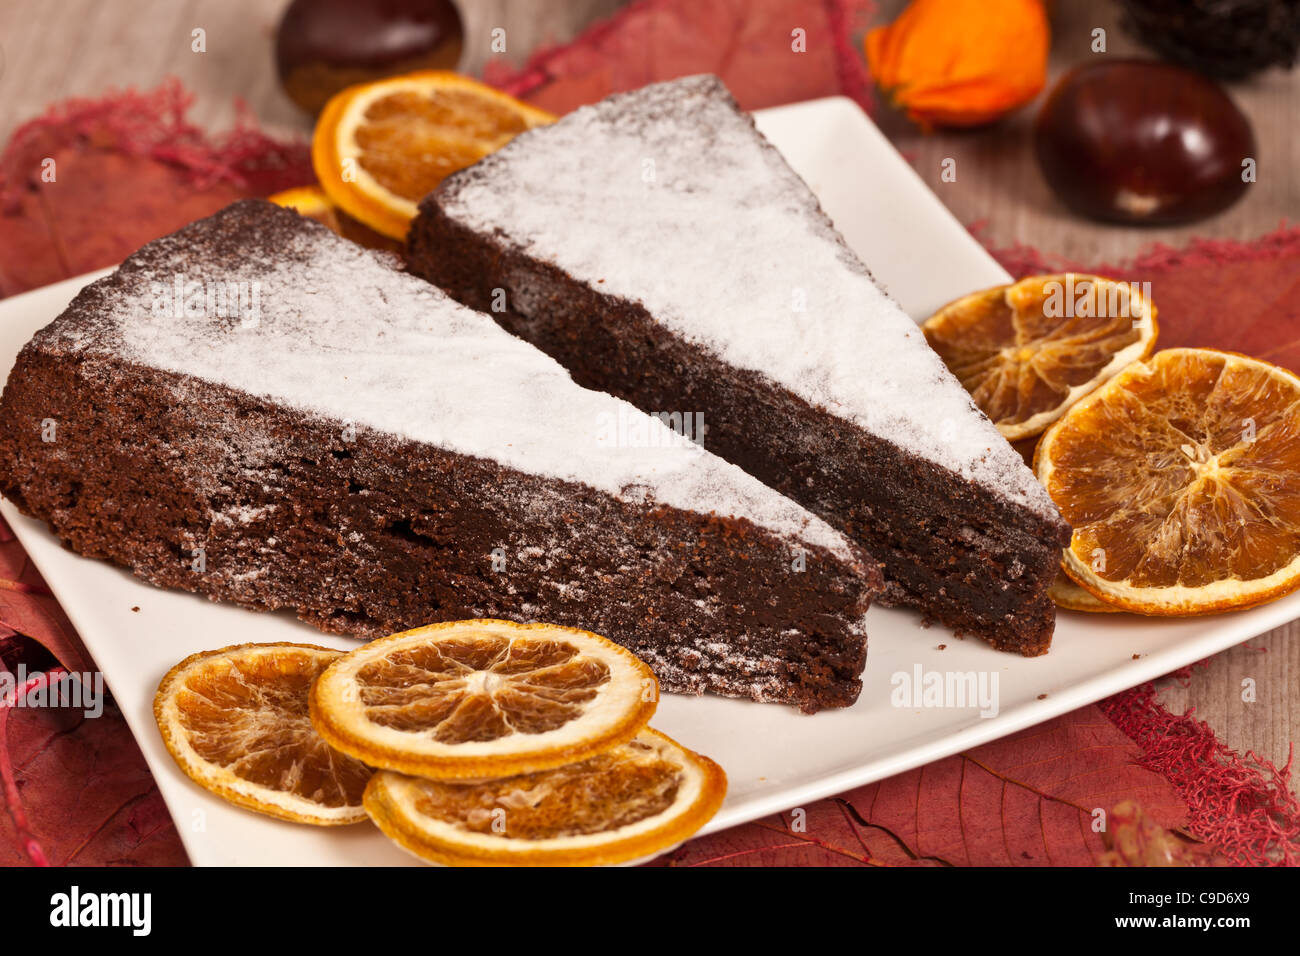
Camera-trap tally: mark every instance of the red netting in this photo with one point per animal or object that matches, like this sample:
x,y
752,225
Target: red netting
x,y
1241,804
152,124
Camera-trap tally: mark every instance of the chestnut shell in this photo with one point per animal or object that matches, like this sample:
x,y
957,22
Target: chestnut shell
x,y
322,46
1136,141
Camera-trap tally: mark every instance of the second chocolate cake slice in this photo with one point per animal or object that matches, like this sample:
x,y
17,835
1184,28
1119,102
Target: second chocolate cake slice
x,y
258,410
663,250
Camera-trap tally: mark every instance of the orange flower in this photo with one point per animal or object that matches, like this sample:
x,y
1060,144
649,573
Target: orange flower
x,y
962,62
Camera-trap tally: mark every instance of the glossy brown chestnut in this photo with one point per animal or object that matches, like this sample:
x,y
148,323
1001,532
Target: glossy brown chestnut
x,y
321,46
1142,142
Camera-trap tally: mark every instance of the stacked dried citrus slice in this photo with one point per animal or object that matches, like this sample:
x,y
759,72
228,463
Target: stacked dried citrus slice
x,y
380,147
236,721
1028,351
1065,593
498,743
313,203
1179,471
483,699
1181,479
625,804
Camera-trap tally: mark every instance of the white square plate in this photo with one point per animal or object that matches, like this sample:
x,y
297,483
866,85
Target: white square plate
x,y
775,757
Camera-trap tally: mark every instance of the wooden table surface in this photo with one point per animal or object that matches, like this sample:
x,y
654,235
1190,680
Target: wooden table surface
x,y
51,49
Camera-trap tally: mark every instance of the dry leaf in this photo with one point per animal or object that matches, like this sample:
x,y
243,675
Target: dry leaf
x,y
91,180
1215,293
1133,839
28,607
78,792
1028,799
768,52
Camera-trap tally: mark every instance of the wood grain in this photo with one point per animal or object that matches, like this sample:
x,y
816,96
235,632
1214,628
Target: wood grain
x,y
50,49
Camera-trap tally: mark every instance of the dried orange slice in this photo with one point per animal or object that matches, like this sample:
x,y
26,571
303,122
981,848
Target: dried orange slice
x,y
312,202
309,201
380,147
236,722
1066,594
1028,351
628,803
483,699
1181,479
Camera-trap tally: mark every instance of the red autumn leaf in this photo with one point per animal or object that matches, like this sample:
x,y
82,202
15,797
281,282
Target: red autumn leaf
x,y
103,207
90,181
1251,307
1134,839
1221,293
1027,799
826,833
751,44
28,607
75,789
78,792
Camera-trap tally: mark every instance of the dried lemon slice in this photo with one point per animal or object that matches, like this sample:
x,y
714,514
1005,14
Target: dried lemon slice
x,y
236,722
380,147
1181,479
1028,351
628,803
483,699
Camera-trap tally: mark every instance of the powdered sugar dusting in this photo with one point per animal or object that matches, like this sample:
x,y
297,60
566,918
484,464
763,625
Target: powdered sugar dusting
x,y
340,334
669,197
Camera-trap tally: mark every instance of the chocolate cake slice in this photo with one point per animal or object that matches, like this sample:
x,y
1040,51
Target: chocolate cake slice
x,y
662,249
258,410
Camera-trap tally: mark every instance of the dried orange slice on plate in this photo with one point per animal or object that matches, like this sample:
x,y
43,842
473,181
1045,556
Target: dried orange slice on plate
x,y
379,148
1181,479
483,699
313,203
628,803
1028,351
1066,594
236,721
309,201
